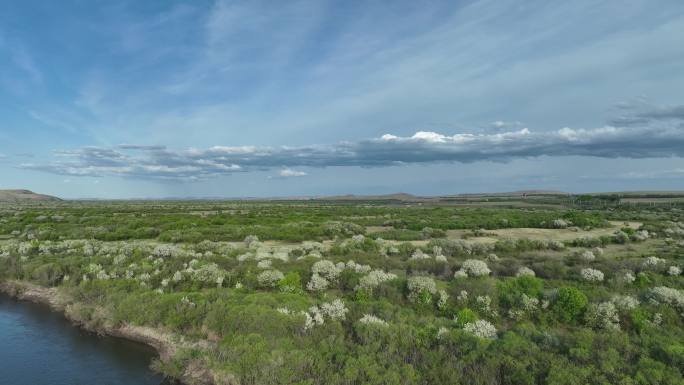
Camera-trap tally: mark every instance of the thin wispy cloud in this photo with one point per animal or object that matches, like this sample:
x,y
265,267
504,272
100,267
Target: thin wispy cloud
x,y
656,174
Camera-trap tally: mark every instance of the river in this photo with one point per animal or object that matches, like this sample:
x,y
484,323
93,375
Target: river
x,y
39,346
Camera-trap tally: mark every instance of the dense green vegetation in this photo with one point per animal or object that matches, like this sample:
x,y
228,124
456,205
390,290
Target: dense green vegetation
x,y
194,222
305,293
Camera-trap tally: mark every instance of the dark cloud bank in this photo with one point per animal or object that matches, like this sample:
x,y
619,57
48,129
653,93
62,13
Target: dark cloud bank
x,y
641,133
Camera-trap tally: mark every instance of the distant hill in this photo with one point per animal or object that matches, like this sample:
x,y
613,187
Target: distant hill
x,y
514,194
404,197
17,196
387,197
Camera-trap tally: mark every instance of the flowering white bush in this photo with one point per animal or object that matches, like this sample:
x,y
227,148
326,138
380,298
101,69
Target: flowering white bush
x,y
587,256
315,254
475,268
391,249
668,295
166,251
591,275
625,302
326,269
264,264
484,304
603,316
443,299
674,270
186,302
620,236
657,319
283,310
440,258
281,254
652,262
312,319
45,248
560,223
119,259
335,310
177,276
460,274
94,268
369,319
269,278
144,277
529,304
208,273
375,278
641,235
317,283
102,275
358,238
357,268
418,285
627,277
481,329
525,271
462,296
263,253
25,248
516,314
419,255
310,246
251,240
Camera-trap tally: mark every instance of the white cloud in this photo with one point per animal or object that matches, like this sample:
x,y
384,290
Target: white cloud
x,y
289,173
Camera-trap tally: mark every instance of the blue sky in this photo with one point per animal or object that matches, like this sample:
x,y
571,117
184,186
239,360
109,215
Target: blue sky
x,y
236,98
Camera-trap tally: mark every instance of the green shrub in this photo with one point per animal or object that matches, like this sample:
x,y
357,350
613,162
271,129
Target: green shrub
x,y
465,316
570,304
510,290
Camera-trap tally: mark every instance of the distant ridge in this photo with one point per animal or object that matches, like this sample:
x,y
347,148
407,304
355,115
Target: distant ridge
x,y
400,197
514,193
405,197
17,196
352,197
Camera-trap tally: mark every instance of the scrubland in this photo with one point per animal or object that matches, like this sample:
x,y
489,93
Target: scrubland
x,y
369,292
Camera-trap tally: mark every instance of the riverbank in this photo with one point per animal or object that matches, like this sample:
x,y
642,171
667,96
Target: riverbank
x,y
165,344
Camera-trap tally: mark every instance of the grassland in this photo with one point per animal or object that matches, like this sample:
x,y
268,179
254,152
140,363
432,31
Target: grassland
x,y
552,289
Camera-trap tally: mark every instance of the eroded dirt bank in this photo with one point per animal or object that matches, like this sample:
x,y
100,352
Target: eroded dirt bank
x,y
166,344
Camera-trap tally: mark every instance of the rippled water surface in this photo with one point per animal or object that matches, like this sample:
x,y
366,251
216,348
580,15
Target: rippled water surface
x,y
38,346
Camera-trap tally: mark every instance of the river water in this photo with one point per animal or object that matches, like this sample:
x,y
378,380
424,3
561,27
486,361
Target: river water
x,y
40,347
